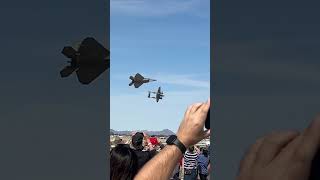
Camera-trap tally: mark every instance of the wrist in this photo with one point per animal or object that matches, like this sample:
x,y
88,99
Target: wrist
x,y
175,149
183,141
175,141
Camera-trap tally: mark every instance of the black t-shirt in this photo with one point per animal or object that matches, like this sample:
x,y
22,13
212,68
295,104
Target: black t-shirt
x,y
144,157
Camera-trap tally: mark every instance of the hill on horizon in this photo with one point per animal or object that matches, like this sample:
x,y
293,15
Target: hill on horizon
x,y
164,132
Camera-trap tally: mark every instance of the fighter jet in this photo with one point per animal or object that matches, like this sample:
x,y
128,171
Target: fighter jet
x,y
138,80
159,94
89,60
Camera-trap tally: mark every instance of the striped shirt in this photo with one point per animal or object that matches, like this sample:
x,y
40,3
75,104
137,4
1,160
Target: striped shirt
x,y
190,160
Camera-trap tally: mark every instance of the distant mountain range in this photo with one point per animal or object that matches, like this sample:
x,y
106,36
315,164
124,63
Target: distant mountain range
x,y
165,132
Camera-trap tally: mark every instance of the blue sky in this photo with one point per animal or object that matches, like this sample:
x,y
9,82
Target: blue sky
x,y
166,40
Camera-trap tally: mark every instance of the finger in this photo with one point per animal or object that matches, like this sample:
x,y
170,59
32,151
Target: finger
x,y
307,144
272,146
188,110
203,112
195,107
205,107
249,158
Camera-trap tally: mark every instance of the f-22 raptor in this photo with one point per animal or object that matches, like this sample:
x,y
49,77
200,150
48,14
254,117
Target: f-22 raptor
x,y
138,80
89,61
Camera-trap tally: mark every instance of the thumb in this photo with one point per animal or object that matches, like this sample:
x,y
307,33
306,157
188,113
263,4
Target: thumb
x,y
310,140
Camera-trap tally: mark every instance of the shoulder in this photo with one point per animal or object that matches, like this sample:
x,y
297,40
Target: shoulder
x,y
153,152
140,153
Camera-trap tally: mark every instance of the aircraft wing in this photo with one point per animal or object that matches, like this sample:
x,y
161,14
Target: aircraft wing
x,y
93,50
87,74
137,84
138,77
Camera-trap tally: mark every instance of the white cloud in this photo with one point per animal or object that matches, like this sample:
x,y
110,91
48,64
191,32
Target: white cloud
x,y
136,111
159,8
183,80
133,110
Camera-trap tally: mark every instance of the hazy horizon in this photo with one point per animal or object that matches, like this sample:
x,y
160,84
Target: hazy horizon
x,y
143,130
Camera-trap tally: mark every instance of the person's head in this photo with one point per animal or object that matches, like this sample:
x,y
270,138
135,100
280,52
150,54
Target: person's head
x,y
137,141
191,149
205,152
117,140
123,163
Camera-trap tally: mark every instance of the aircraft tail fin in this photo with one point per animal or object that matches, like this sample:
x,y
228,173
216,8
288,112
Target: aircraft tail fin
x,y
69,52
67,71
132,81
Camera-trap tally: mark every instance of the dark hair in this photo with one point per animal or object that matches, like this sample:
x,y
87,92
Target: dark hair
x,y
191,148
123,163
137,140
205,152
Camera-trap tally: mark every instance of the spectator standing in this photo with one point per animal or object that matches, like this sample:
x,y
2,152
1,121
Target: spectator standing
x,y
124,163
191,163
190,132
203,164
143,155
